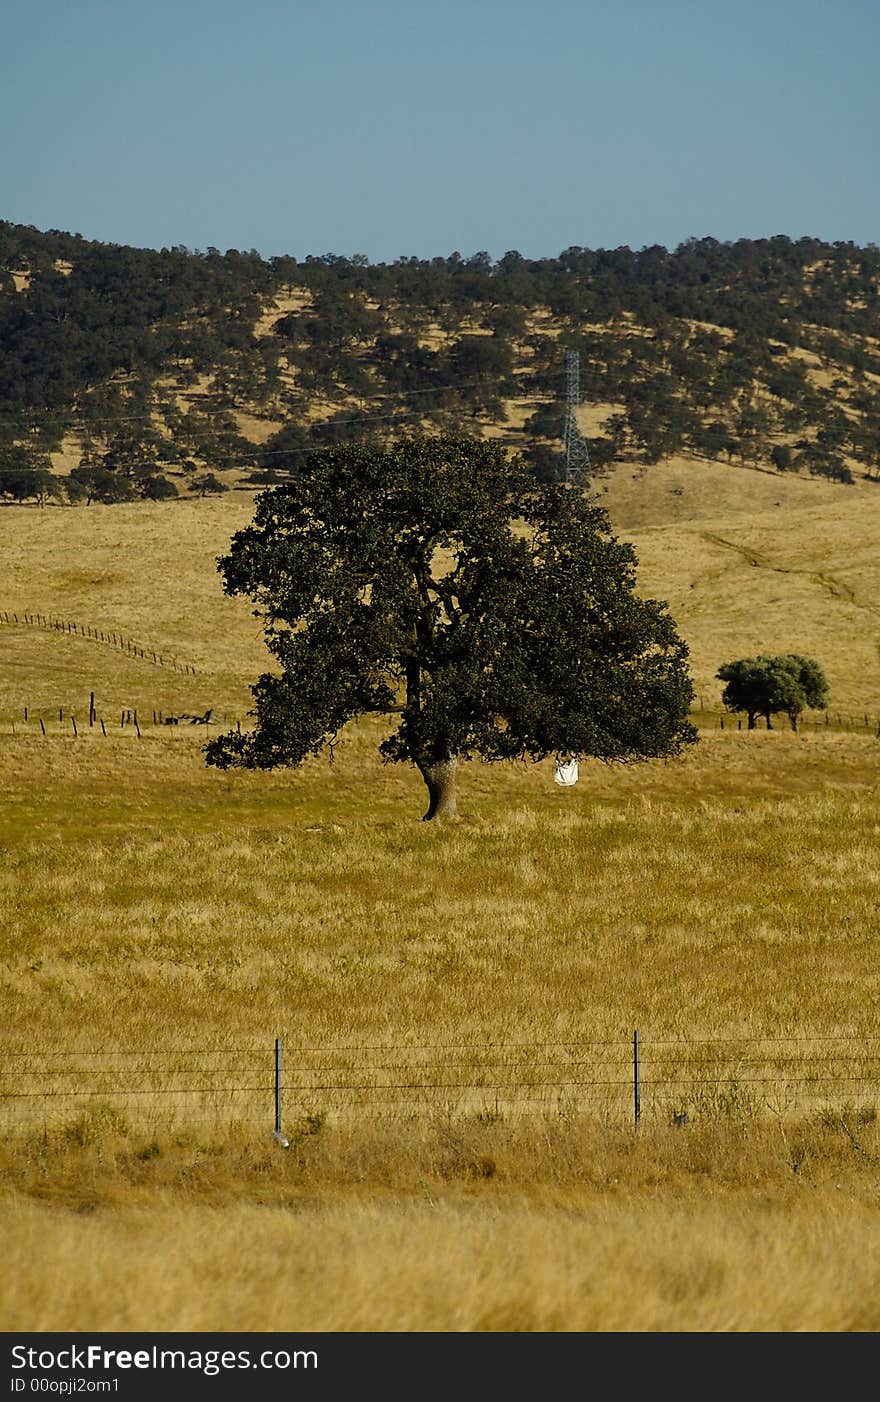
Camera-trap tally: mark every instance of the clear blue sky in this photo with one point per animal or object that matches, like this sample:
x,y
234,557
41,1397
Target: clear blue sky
x,y
395,127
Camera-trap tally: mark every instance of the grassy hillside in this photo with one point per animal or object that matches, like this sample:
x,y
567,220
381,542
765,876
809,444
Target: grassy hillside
x,y
798,575
157,366
792,567
145,573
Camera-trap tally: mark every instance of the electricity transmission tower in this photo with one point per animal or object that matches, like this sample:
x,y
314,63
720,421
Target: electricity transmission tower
x,y
577,457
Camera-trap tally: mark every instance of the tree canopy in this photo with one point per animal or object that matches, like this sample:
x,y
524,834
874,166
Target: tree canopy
x,y
765,686
436,581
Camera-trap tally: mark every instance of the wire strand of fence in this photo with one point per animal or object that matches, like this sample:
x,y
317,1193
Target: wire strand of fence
x,y
352,1048
486,1062
139,1055
648,1080
121,1094
761,1041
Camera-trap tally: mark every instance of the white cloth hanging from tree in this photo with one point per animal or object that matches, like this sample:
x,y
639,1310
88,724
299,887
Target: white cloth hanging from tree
x,y
566,772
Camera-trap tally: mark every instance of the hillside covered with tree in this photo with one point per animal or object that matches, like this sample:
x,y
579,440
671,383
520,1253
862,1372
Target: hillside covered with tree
x,y
141,373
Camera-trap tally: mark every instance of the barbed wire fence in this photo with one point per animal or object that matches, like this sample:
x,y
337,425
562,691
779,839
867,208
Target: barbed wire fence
x,y
112,638
720,719
74,722
71,719
265,1088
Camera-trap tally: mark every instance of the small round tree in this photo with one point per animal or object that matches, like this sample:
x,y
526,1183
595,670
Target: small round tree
x,y
437,581
746,687
765,685
800,684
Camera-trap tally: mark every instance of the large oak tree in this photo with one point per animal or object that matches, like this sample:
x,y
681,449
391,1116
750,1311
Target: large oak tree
x,y
436,581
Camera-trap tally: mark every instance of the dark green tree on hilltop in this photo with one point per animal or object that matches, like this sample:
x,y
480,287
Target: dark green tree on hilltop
x,y
436,581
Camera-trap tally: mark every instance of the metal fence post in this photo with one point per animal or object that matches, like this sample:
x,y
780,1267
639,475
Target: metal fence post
x,y
276,1133
637,1088
278,1056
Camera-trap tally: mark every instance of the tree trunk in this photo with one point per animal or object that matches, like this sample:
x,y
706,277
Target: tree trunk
x,y
751,720
440,779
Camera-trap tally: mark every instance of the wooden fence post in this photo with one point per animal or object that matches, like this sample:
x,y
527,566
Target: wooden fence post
x,y
637,1086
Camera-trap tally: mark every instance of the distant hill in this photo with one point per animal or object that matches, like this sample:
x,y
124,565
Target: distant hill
x,y
147,373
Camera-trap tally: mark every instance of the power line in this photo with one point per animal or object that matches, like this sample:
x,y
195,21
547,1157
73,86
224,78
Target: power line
x,y
138,418
258,455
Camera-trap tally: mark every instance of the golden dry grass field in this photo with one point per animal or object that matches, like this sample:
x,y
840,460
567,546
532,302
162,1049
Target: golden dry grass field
x,y
457,1005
